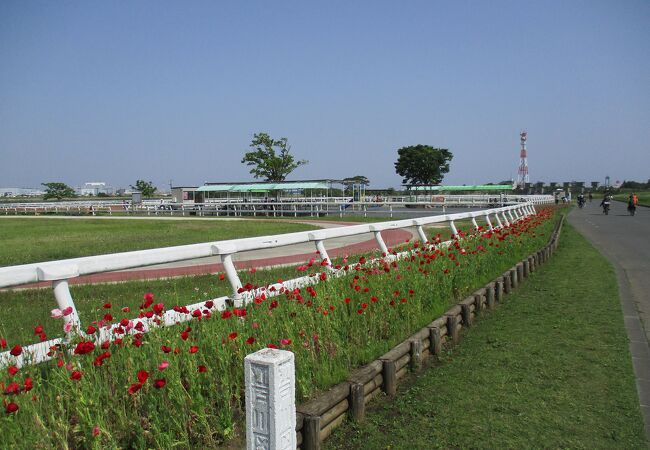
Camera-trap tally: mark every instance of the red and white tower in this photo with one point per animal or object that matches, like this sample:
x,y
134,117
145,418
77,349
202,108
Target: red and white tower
x,y
522,173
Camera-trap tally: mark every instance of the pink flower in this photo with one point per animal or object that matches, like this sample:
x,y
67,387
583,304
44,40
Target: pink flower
x,y
163,365
67,327
56,313
96,431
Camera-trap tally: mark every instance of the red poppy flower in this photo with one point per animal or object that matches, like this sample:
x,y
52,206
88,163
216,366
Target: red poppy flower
x,y
166,349
364,305
16,350
84,347
194,348
202,369
12,370
185,335
107,306
12,388
222,277
159,383
75,375
226,314
143,376
3,343
135,387
232,336
285,341
38,329
209,304
11,408
100,359
271,346
91,329
158,308
108,317
250,340
239,312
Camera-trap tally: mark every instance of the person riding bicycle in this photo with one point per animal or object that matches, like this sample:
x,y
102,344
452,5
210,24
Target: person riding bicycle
x,y
581,200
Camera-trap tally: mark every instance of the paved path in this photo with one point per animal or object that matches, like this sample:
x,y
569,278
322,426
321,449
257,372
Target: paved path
x,y
625,241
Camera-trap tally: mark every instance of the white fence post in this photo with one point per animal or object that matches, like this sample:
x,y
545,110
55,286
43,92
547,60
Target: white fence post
x,y
487,220
270,400
454,231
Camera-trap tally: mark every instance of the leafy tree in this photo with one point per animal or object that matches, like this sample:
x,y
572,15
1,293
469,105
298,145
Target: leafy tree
x,y
358,179
266,162
58,191
422,164
145,187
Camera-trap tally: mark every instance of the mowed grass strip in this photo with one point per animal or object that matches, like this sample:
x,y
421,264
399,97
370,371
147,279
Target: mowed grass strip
x,y
32,240
550,368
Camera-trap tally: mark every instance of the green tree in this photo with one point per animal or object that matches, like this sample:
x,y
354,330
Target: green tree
x,y
268,164
422,164
145,187
58,191
358,179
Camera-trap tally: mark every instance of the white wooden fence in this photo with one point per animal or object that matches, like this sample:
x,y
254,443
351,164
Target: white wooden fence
x,y
59,272
289,206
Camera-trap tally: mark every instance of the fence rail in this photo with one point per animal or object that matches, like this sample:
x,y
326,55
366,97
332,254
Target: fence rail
x,y
59,272
287,206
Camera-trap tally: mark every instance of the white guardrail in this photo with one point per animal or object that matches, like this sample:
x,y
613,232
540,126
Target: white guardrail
x,y
285,206
59,272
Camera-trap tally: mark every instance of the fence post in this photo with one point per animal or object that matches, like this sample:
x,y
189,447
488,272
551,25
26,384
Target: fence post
x,y
270,400
231,273
379,239
421,234
453,229
498,220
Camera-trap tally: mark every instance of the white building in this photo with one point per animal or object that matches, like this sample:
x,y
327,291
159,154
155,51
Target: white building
x,y
95,188
21,192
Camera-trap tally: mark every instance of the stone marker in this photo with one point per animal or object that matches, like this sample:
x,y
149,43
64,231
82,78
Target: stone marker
x,y
270,400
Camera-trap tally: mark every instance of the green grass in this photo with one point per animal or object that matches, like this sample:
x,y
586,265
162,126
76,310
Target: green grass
x,y
34,240
644,198
331,328
550,368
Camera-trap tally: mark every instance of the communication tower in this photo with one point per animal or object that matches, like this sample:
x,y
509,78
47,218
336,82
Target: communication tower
x,y
522,173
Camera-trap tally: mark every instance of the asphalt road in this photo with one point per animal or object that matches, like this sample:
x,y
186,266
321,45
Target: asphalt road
x,y
625,241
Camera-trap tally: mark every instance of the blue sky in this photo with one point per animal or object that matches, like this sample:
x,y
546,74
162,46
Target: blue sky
x,y
118,91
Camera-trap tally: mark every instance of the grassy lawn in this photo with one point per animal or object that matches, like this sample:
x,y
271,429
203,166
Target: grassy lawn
x,y
644,198
34,240
550,368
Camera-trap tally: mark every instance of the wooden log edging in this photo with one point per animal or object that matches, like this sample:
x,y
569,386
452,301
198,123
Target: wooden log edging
x,y
317,418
